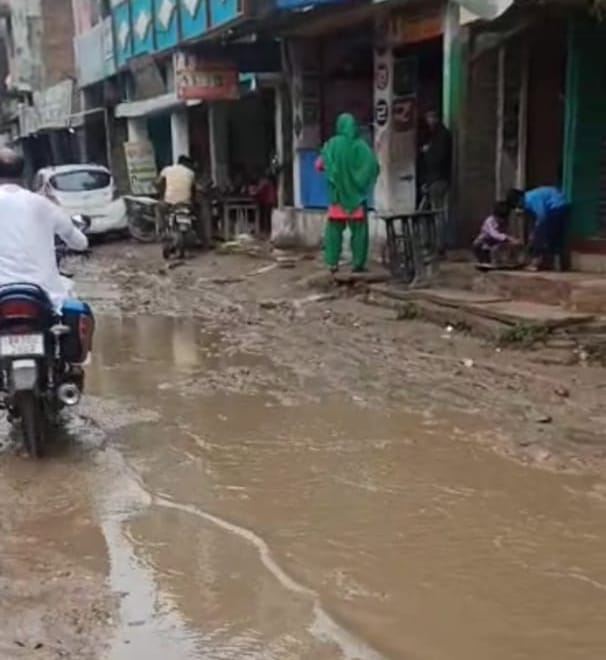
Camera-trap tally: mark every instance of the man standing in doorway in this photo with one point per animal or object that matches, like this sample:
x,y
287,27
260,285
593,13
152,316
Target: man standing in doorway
x,y
436,161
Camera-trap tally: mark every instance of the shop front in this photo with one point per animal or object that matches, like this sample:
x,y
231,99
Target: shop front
x,y
159,126
514,120
237,86
330,75
408,82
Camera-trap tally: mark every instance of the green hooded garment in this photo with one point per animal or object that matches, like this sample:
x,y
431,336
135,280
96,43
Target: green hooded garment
x,y
350,165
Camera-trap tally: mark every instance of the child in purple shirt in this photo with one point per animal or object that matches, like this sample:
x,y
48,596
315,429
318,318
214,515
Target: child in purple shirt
x,y
493,237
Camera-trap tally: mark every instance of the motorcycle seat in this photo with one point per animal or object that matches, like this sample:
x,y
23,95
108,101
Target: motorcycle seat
x,y
25,290
182,207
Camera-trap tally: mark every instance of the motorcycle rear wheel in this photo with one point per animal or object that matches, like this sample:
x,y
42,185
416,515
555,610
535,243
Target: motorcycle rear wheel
x,y
30,408
181,244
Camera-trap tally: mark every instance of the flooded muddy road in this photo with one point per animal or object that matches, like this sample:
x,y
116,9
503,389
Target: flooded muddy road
x,y
243,483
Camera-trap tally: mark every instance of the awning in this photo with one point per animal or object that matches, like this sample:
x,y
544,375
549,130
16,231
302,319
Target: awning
x,y
30,121
156,105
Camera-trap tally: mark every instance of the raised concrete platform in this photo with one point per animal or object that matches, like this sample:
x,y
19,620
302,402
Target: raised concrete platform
x,y
574,291
518,311
443,296
494,307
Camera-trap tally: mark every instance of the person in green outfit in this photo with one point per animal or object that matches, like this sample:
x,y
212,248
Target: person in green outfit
x,y
351,170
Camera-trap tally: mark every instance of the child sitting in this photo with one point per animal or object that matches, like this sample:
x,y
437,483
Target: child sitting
x,y
493,244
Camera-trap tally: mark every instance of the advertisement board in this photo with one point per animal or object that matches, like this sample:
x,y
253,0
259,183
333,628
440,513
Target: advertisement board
x,y
141,165
201,79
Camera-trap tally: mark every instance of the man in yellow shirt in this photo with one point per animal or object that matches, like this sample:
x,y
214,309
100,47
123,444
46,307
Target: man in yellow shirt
x,y
176,183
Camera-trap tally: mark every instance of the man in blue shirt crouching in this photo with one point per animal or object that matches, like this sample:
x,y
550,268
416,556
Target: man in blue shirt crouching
x,y
548,211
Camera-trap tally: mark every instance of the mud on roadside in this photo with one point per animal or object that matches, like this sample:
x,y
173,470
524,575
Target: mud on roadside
x,y
548,415
53,600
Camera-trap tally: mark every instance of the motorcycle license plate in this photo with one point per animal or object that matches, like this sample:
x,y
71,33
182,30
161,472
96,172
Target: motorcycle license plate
x,y
19,345
183,221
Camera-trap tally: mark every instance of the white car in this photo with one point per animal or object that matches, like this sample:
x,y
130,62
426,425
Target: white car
x,y
87,190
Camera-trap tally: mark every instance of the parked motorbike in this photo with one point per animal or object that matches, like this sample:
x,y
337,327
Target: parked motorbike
x,y
41,359
178,230
142,218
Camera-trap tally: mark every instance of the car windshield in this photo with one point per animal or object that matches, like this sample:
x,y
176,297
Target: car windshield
x,y
81,180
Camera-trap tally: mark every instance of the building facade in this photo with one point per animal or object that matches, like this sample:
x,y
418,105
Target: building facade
x,y
41,91
244,84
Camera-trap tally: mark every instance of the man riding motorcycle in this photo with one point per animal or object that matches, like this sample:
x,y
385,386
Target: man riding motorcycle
x,y
28,226
45,337
177,187
176,183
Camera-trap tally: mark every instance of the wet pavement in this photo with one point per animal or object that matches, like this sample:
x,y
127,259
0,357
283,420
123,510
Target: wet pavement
x,y
210,501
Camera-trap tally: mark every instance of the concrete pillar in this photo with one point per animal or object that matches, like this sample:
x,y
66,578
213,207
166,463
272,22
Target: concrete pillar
x,y
179,128
219,142
395,137
383,99
137,129
279,128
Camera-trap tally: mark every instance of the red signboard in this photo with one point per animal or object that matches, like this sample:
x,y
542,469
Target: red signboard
x,y
199,79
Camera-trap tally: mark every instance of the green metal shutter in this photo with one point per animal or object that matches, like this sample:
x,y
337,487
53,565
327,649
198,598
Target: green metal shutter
x,y
585,131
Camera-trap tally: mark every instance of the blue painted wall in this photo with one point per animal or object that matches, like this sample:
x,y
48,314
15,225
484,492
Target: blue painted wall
x,y
166,23
222,11
193,18
142,24
314,190
123,37
314,194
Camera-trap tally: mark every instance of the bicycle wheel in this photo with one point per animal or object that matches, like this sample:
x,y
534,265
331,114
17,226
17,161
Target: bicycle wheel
x,y
400,255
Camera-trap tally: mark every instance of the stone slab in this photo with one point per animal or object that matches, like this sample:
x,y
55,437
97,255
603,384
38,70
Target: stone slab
x,y
518,311
450,297
354,278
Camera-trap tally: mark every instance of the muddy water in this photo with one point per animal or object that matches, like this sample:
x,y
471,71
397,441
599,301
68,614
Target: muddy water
x,y
244,517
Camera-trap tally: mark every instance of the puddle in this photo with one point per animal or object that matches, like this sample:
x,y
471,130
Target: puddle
x,y
231,526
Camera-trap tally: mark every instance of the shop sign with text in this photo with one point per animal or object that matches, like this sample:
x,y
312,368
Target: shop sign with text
x,y
200,79
410,28
141,165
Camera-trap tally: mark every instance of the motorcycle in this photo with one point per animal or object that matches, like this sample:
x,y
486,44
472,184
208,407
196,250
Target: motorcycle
x,y
41,359
178,229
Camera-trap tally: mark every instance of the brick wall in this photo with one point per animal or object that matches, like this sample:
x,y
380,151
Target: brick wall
x,y
58,40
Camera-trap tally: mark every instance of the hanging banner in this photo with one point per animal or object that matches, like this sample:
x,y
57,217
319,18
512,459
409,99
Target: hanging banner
x,y
54,105
198,79
141,165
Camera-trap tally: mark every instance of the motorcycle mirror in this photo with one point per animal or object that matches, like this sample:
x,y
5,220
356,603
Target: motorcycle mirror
x,y
81,222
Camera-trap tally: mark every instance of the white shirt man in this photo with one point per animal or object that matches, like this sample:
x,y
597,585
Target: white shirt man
x,y
28,226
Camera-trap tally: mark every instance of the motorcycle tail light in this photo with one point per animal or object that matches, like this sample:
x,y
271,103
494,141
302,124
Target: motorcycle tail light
x,y
85,333
19,309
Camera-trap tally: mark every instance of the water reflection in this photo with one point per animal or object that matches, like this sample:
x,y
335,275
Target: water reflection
x,y
417,543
